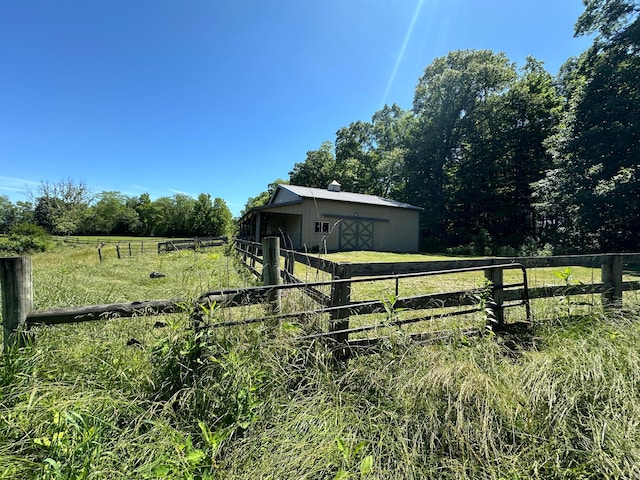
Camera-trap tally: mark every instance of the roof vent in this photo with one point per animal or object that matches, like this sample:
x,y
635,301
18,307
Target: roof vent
x,y
334,186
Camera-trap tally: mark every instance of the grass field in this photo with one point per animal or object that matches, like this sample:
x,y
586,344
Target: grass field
x,y
134,398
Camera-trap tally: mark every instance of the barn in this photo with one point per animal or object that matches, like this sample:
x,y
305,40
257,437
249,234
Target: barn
x,y
330,219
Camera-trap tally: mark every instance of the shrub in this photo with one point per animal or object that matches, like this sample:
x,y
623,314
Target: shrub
x,y
25,238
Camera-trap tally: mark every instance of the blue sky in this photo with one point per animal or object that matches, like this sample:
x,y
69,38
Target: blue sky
x,y
224,96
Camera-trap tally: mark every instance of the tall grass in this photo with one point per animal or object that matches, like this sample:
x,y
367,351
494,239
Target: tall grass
x,y
124,399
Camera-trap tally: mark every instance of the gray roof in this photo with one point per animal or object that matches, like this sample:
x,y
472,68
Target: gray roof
x,y
324,194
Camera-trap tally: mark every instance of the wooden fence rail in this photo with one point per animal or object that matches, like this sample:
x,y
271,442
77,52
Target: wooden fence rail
x,y
18,313
191,244
610,287
123,248
611,266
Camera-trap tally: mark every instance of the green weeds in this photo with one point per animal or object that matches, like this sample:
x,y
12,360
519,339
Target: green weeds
x,y
89,402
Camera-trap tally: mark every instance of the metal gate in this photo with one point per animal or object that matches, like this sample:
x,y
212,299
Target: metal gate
x,y
356,234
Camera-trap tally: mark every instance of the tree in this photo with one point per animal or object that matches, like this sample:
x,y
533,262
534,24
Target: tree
x,y
592,191
202,220
182,209
369,156
142,205
222,219
8,214
263,197
503,153
355,159
112,214
445,105
614,21
318,169
390,127
60,207
164,210
24,212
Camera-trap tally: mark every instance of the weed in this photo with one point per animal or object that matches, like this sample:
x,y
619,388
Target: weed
x,y
231,403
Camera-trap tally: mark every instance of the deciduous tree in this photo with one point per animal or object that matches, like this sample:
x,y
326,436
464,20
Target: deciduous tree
x,y
61,206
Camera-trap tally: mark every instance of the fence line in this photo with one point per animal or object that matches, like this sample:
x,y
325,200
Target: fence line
x,y
338,305
610,288
611,266
191,244
129,248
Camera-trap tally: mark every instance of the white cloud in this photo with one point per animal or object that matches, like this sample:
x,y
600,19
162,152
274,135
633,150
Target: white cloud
x,y
17,186
180,192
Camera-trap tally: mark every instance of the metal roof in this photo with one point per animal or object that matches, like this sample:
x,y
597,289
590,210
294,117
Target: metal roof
x,y
323,194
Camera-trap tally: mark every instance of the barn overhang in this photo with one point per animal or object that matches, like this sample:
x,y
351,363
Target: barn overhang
x,y
271,220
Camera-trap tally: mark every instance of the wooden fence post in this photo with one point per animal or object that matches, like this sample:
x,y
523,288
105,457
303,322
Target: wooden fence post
x,y
289,262
611,275
340,296
496,277
17,297
118,249
253,249
271,269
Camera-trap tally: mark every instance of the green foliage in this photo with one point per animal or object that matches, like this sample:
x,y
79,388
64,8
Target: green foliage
x,y
60,207
26,238
318,169
112,214
8,214
369,157
486,303
67,208
210,219
589,200
353,458
263,197
611,19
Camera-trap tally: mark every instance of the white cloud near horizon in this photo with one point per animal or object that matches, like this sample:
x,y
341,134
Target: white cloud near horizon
x,y
17,185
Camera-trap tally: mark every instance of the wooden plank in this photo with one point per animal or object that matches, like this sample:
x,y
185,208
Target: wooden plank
x,y
382,268
419,302
112,311
89,313
315,262
629,286
556,291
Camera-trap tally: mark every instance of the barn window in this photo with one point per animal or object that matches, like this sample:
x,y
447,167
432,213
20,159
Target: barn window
x,y
321,227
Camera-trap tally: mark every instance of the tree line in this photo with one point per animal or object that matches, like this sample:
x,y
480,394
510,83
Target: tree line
x,y
504,158
69,208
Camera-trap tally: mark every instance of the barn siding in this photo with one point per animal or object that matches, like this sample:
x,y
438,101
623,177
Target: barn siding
x,y
394,228
284,196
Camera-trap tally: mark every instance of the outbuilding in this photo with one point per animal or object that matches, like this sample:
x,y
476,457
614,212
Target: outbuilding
x,y
316,219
